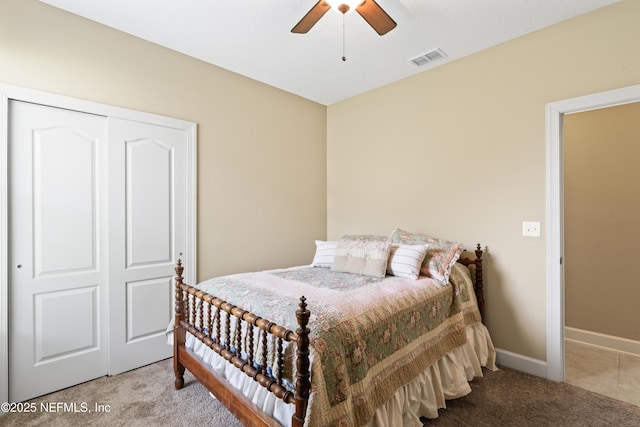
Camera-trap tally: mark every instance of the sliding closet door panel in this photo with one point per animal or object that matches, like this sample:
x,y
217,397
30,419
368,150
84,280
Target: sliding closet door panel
x,y
59,249
150,222
149,180
156,293
64,169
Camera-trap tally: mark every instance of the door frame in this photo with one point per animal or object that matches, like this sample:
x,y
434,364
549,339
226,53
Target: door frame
x,y
11,92
555,213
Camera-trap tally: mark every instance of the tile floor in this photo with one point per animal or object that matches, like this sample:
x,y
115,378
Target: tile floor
x,y
609,372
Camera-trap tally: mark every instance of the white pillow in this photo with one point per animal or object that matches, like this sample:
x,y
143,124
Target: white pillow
x,y
325,251
406,260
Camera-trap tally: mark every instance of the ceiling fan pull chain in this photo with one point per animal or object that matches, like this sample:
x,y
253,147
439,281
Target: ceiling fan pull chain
x,y
344,58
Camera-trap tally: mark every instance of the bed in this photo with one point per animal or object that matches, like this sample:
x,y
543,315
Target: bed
x,y
377,331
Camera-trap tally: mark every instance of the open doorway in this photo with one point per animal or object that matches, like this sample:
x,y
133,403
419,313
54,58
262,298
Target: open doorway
x,y
555,215
601,152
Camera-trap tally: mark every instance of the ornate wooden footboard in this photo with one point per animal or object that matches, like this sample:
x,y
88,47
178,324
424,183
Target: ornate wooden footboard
x,y
209,319
204,320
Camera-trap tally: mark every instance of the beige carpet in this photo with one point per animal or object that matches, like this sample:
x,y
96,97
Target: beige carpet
x,y
512,398
142,397
146,397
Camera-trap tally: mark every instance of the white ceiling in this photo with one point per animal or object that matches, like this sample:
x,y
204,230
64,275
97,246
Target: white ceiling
x,y
253,37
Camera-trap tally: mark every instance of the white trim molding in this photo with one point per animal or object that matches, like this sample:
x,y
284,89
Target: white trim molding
x,y
10,92
521,363
609,342
4,251
555,213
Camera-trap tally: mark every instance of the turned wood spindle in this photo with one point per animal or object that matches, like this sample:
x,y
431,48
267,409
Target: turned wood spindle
x,y
263,359
179,295
217,321
250,338
280,362
479,285
200,323
238,338
178,332
210,320
303,382
227,331
192,308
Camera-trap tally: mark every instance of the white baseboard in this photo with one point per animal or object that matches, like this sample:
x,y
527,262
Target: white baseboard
x,y
521,363
603,340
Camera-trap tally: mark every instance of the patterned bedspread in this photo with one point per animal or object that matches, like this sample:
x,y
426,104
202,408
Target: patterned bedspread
x,y
369,336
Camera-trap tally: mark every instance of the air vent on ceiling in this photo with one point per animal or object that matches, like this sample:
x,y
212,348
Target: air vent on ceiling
x,y
430,56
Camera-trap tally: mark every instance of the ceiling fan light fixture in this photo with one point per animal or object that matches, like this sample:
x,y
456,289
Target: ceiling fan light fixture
x,y
338,5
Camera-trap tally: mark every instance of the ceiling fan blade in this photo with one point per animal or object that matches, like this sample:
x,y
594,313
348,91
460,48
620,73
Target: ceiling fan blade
x,y
310,19
376,17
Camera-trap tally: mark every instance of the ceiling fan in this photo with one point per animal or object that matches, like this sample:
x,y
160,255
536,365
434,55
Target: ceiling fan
x,y
375,16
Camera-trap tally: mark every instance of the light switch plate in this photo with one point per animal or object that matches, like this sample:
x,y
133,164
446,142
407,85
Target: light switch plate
x,y
531,228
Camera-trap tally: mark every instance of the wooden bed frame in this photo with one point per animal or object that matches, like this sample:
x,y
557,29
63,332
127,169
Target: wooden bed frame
x,y
200,314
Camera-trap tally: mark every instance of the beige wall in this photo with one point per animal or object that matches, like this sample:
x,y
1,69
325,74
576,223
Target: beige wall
x,y
459,152
261,169
601,210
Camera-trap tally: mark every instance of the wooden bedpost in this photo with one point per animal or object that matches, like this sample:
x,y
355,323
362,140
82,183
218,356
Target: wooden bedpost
x,y
303,383
179,334
479,285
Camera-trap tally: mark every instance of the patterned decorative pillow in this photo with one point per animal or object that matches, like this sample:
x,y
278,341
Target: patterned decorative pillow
x,y
441,254
406,260
325,251
364,257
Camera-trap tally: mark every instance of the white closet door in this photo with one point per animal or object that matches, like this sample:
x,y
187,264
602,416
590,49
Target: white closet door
x,y
59,249
148,167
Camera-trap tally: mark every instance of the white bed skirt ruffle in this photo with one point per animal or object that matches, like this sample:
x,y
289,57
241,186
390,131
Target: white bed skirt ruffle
x,y
448,378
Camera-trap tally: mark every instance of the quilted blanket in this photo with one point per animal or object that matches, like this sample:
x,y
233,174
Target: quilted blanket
x,y
369,336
